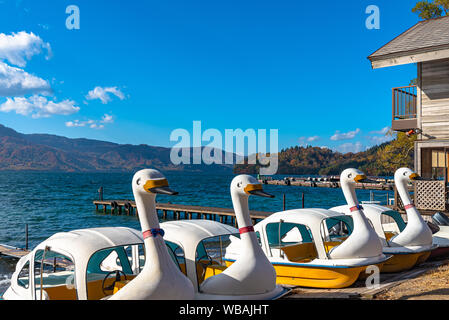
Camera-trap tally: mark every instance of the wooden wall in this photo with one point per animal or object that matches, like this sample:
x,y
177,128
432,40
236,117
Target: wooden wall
x,y
435,98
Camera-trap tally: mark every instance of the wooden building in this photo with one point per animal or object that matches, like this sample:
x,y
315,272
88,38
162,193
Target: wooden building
x,y
423,108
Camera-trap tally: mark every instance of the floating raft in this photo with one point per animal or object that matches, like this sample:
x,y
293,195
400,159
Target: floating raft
x,y
179,211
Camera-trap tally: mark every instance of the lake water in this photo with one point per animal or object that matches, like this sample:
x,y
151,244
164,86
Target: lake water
x,y
55,202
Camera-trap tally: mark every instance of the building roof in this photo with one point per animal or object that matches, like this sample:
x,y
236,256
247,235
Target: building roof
x,y
416,44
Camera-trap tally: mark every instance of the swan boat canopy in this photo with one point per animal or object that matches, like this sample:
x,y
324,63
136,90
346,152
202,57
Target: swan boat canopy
x,y
80,264
412,244
300,244
199,247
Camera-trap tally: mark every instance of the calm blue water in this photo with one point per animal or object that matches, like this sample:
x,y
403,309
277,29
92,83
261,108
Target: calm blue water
x,y
55,202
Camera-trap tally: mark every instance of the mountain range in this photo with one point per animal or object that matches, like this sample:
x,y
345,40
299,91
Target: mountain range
x,y
45,152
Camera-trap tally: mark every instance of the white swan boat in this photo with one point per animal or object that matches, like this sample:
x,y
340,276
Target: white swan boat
x,y
413,243
199,247
105,263
252,276
305,251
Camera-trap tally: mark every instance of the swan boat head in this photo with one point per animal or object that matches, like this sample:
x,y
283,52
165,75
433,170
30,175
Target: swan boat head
x,y
406,175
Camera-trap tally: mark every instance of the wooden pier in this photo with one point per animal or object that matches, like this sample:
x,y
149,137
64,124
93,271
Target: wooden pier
x,y
327,184
178,211
12,252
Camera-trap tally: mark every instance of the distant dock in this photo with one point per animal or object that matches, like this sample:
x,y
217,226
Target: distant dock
x,y
177,211
327,182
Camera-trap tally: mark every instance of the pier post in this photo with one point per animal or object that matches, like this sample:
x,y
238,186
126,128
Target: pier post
x,y
283,202
26,236
100,193
302,200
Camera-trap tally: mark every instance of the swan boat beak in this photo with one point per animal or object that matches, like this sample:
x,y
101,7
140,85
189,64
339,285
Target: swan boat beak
x,y
415,176
361,178
256,190
159,187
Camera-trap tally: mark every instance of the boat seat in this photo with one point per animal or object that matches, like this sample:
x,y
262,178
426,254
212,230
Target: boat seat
x,y
300,252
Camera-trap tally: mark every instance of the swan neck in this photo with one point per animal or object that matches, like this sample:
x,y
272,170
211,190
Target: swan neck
x,y
146,208
349,194
242,214
401,186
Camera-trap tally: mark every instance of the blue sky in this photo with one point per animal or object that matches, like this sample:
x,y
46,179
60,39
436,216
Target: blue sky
x,y
296,66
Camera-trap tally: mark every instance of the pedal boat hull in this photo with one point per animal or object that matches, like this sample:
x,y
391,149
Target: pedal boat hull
x,y
317,276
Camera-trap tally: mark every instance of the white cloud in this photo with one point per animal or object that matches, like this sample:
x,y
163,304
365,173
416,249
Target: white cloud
x,y
308,139
38,106
104,94
107,118
379,140
19,47
345,136
312,139
350,147
93,124
382,131
17,82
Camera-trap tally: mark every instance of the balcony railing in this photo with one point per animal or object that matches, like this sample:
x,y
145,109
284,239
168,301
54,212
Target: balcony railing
x,y
404,108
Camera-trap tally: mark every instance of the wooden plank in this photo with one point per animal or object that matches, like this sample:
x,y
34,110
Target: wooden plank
x,y
9,251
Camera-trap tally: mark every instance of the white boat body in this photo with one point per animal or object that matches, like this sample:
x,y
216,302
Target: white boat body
x,y
440,238
188,234
311,218
374,213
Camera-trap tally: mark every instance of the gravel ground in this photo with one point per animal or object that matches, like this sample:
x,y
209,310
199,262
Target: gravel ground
x,y
432,285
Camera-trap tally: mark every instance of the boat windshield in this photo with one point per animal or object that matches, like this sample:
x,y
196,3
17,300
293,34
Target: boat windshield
x,y
54,275
398,223
209,256
335,230
338,227
291,241
100,274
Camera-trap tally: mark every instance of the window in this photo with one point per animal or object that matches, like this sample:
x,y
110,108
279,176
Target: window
x,y
23,279
209,256
335,230
100,275
136,257
279,234
54,273
291,241
178,256
439,164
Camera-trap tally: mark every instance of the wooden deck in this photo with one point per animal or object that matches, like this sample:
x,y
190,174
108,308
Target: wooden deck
x,y
178,211
13,252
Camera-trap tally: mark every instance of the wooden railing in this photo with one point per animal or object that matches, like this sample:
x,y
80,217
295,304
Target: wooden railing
x,y
404,103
